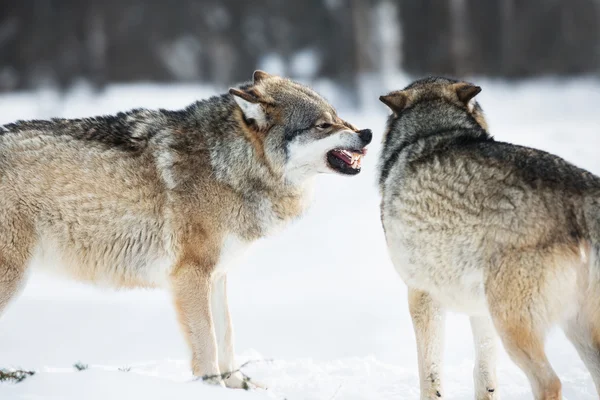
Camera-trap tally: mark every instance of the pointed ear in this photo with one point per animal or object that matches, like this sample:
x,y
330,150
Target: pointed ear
x,y
251,107
466,91
259,76
396,101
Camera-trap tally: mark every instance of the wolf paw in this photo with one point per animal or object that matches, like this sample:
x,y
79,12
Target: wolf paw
x,y
431,395
487,394
237,380
214,381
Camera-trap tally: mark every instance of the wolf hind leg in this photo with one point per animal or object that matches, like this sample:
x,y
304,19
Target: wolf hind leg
x,y
585,336
583,328
524,343
521,292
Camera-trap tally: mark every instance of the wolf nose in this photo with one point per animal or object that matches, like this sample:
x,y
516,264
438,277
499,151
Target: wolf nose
x,y
365,135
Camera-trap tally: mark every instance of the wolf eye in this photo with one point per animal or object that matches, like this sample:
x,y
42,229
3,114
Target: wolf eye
x,y
324,125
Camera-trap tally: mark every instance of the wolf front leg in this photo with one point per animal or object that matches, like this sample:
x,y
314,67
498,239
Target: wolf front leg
x,y
428,323
224,332
484,373
223,325
17,235
191,285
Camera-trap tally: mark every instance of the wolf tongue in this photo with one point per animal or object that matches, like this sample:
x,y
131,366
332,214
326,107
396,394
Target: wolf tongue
x,y
344,156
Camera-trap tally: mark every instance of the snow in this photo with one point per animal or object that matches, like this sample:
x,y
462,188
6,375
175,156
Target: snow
x,y
305,63
320,303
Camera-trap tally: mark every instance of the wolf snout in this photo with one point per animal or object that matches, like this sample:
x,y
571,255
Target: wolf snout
x,y
365,135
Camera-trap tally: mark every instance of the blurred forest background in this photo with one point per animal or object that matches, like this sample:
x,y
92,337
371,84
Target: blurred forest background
x,y
59,42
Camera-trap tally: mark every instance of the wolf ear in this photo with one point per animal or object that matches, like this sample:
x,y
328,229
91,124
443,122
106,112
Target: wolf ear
x,y
251,106
396,101
466,91
259,76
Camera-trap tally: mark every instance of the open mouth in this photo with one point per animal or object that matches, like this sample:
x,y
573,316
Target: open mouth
x,y
346,161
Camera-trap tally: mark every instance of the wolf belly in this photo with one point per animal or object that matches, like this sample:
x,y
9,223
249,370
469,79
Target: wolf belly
x,y
115,261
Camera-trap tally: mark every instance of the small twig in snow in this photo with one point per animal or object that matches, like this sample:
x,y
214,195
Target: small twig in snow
x,y
222,376
16,375
79,366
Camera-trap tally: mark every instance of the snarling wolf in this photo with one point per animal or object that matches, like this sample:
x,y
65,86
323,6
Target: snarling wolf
x,y
509,235
169,198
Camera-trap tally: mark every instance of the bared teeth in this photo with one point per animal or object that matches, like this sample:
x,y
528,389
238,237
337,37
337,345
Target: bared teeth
x,y
344,156
353,159
356,160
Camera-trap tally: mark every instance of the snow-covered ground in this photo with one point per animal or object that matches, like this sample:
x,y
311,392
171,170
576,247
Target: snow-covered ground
x,y
320,303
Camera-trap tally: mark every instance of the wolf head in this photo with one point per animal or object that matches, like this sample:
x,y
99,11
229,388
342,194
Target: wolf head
x,y
432,110
437,90
297,131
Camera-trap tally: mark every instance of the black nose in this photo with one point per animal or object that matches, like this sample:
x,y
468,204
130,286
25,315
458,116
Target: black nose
x,y
365,135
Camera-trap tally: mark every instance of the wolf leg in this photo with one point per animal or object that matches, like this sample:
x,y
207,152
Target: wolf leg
x,y
525,346
192,290
12,277
428,323
225,338
16,239
224,333
484,374
223,325
584,332
583,329
520,290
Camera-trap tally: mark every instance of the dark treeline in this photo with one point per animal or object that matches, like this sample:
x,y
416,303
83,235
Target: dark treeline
x,y
56,42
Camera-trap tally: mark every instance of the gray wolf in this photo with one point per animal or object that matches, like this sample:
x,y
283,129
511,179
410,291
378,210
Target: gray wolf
x,y
508,235
169,198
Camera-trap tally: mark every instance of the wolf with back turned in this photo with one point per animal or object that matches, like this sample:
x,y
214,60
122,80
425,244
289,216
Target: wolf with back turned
x,y
508,235
169,198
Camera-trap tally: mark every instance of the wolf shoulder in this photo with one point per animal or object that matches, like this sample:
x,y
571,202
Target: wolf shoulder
x,y
503,186
484,164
